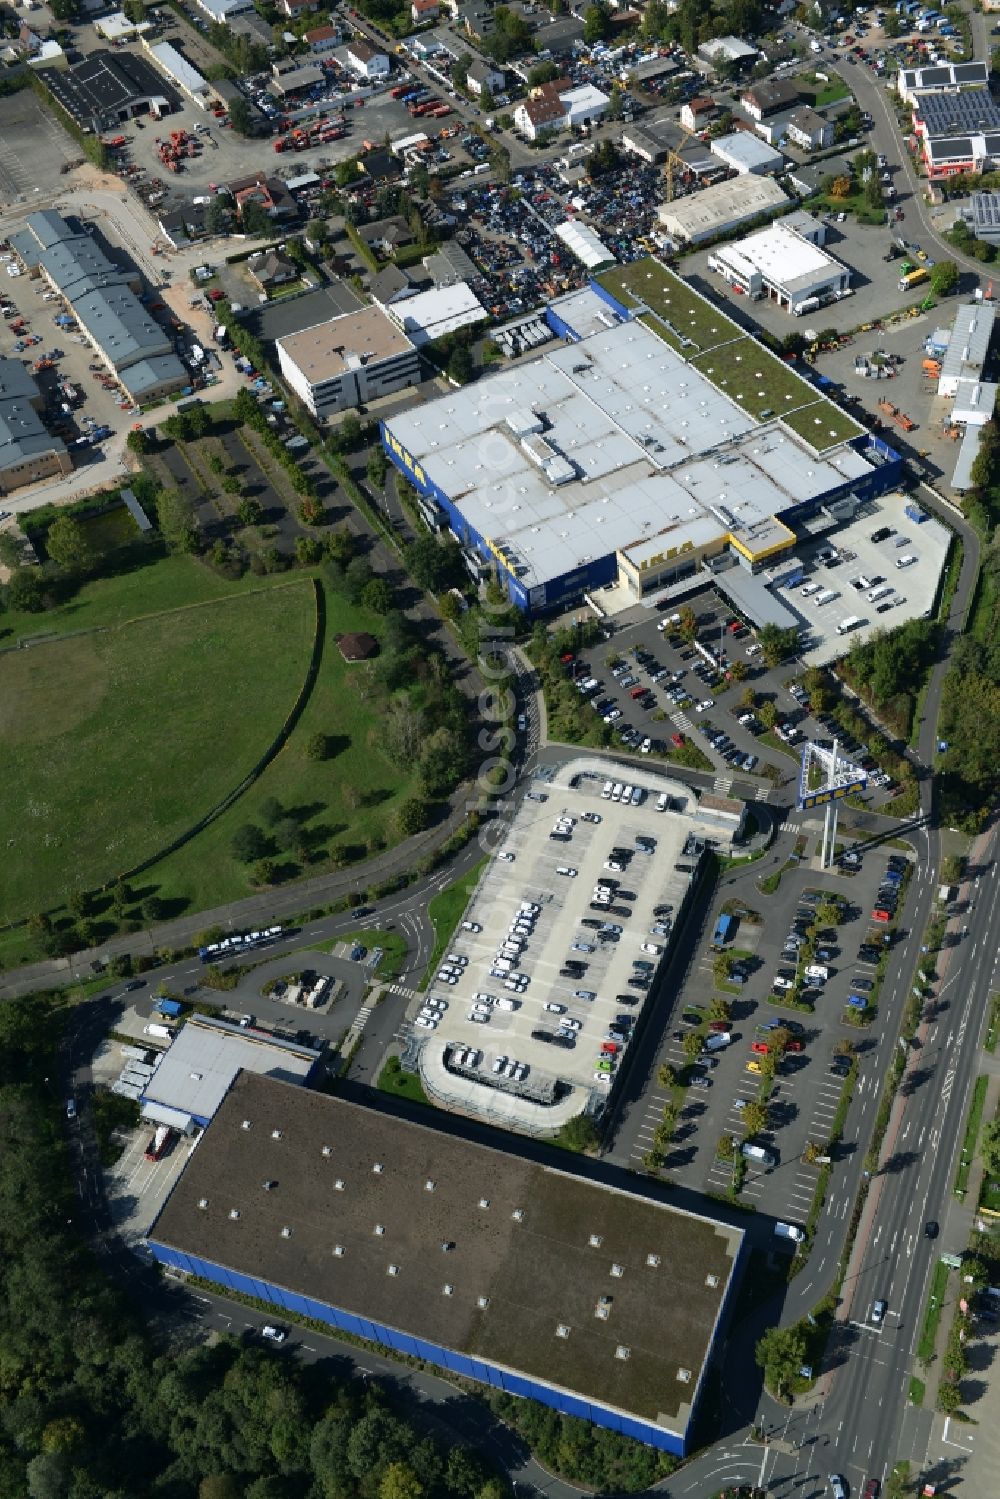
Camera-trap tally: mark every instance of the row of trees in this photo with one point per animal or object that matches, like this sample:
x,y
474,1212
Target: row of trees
x,y
93,1406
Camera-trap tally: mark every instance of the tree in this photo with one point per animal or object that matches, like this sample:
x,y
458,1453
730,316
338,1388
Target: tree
x,y
249,512
841,187
138,441
377,468
318,747
219,216
688,627
26,591
755,1117
780,1353
413,816
542,72
739,671
721,965
249,843
596,23
768,714
778,644
67,545
692,1045
748,698
264,872
720,1008
255,220
377,595
153,908
10,550
990,1148
944,278
400,1482
460,365
579,1133
241,116
134,11
828,913
432,565
176,520
949,1396
666,1076
603,159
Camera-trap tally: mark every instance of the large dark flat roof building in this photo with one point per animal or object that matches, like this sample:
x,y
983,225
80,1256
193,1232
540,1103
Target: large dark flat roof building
x,y
107,88
589,1298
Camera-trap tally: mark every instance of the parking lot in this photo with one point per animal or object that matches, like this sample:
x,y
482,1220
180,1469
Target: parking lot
x,y
532,1008
809,1076
33,148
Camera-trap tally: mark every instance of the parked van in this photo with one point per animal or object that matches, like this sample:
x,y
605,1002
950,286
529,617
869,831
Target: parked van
x,y
503,964
616,792
717,1042
906,561
826,596
817,971
877,594
790,1231
607,790
758,1153
662,802
809,590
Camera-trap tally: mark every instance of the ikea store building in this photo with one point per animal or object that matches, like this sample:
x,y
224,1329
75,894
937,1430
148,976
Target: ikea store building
x,y
629,453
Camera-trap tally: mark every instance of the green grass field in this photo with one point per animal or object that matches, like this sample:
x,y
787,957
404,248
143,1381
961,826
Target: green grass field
x,y
115,742
445,911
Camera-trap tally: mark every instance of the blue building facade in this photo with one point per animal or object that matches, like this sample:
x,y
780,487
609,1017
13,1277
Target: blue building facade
x,y
498,1378
569,589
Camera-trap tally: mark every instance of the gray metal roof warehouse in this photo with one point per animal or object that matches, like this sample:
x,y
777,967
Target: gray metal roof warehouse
x,y
197,1072
102,297
587,1295
22,432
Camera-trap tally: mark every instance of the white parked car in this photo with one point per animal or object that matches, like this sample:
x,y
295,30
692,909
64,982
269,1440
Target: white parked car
x,y
705,704
471,926
555,1009
506,857
425,1023
567,870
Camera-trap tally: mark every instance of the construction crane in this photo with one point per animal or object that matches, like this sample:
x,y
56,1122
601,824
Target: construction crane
x,y
675,157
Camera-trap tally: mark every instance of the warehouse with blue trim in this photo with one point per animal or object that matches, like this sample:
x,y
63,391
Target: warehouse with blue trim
x,y
655,439
587,1297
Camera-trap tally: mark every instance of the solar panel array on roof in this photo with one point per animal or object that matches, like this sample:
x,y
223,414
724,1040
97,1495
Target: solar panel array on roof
x,y
968,112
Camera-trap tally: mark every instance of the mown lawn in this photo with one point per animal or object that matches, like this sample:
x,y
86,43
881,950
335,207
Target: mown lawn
x,y
445,911
115,742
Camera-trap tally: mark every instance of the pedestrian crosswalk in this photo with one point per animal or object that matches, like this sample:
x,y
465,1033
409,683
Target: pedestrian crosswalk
x,y
762,793
723,785
401,989
682,721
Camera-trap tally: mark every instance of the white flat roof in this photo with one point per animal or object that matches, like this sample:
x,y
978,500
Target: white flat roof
x,y
584,97
746,150
782,257
432,314
177,67
597,445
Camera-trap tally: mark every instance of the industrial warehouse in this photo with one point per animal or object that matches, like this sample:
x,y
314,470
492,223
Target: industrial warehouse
x,y
105,302
590,1299
657,440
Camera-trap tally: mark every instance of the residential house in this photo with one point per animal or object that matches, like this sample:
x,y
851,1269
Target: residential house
x,y
386,236
269,192
296,8
423,10
809,130
696,113
541,114
323,38
763,99
366,62
391,285
482,75
270,268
